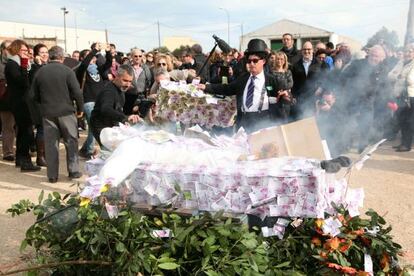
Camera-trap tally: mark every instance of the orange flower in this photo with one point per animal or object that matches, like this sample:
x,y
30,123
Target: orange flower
x,y
345,245
323,254
316,241
345,269
363,273
332,244
359,232
334,266
385,262
349,270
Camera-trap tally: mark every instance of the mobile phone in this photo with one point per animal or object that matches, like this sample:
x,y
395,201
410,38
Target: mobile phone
x,y
24,62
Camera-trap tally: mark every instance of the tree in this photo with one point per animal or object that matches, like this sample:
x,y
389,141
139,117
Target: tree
x,y
162,49
177,52
384,37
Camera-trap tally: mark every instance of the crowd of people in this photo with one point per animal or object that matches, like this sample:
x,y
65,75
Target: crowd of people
x,y
45,94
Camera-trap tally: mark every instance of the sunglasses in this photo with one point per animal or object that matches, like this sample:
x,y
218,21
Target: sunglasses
x,y
138,56
162,64
254,60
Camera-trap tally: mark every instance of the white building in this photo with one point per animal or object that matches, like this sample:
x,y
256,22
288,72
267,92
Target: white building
x,y
76,39
272,35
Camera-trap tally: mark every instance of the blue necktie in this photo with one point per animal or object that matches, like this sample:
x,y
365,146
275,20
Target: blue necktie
x,y
250,92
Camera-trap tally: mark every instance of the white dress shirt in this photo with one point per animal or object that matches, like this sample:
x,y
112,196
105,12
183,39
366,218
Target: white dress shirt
x,y
259,82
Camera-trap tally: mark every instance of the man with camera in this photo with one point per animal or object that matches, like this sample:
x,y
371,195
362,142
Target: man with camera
x,y
108,109
141,82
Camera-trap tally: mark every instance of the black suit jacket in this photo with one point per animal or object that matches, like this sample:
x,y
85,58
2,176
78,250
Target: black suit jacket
x,y
305,85
237,87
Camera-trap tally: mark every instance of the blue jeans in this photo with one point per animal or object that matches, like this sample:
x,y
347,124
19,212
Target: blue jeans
x,y
89,144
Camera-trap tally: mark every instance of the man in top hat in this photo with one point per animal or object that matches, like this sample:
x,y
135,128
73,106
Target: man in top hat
x,y
255,90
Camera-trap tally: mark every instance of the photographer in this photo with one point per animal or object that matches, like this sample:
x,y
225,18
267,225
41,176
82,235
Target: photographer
x,y
108,110
141,82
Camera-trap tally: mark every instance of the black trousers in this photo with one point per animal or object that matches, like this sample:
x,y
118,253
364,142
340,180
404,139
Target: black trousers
x,y
253,121
407,124
24,135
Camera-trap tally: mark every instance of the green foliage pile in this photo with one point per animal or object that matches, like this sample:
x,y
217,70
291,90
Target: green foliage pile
x,y
199,245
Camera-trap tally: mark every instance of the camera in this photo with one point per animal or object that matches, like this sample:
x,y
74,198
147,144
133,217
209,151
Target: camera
x,y
144,106
224,71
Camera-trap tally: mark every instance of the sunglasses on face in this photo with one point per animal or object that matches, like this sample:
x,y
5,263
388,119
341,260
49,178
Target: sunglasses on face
x,y
138,56
254,60
162,64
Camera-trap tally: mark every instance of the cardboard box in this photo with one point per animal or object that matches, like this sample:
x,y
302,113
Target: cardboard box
x,y
300,138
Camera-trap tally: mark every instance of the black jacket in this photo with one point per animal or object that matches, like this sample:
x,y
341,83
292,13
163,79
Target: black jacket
x,y
304,85
237,88
33,106
17,83
292,54
91,87
55,88
108,107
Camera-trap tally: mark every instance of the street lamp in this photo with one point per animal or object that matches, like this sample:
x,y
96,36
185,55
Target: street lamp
x,y
65,12
228,24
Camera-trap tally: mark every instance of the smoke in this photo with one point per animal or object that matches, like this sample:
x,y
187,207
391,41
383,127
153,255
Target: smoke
x,y
352,107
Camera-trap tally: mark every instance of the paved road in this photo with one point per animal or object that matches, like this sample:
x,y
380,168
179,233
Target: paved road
x,y
387,178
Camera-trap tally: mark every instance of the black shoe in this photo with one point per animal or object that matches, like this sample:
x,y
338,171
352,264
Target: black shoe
x,y
403,149
53,179
41,162
75,175
28,166
85,154
8,158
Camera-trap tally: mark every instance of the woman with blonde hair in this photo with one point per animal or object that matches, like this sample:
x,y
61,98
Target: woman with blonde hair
x,y
283,75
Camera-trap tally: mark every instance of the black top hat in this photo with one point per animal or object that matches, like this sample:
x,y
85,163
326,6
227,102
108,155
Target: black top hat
x,y
256,46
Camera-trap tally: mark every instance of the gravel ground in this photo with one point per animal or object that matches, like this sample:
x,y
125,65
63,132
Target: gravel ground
x,y
387,178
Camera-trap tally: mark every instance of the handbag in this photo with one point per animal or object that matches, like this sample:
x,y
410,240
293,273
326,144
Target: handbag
x,y
3,90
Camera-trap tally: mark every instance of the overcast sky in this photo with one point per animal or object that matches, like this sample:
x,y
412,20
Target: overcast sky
x,y
133,22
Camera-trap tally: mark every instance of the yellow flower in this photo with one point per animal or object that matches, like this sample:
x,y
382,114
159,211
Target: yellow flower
x,y
158,222
319,223
105,188
84,202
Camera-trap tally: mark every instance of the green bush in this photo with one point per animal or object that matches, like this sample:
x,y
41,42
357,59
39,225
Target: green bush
x,y
84,241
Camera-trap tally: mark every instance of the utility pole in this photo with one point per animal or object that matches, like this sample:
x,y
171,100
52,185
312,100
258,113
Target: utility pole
x,y
409,35
65,12
76,33
241,37
106,35
159,35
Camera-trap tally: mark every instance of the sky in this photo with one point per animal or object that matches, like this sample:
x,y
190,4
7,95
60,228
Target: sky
x,y
133,23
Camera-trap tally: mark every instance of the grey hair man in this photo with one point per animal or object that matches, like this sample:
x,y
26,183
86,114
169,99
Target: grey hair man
x,y
159,75
55,87
108,109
